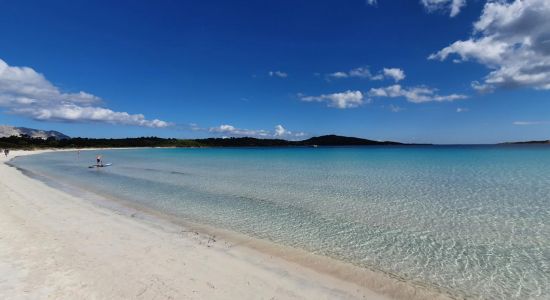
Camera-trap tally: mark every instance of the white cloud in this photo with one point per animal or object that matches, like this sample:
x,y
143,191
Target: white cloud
x,y
24,91
347,99
233,131
361,72
364,73
461,109
281,132
453,6
418,94
75,113
278,132
512,39
526,123
279,74
339,75
395,73
372,2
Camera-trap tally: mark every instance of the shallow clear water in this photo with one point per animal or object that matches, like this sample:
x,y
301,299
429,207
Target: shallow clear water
x,y
473,220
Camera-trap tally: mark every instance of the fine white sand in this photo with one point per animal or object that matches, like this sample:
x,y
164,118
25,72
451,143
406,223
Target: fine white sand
x,y
56,246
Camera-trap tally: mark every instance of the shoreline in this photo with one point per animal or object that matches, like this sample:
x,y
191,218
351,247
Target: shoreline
x,y
325,277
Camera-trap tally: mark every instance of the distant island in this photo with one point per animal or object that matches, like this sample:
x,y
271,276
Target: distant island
x,y
543,142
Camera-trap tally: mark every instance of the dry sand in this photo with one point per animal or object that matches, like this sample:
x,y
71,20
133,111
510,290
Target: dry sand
x,y
56,246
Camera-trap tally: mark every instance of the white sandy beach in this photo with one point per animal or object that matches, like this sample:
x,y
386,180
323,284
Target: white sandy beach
x,y
56,246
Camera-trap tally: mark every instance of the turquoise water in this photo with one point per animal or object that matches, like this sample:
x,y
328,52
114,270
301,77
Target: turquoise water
x,y
472,220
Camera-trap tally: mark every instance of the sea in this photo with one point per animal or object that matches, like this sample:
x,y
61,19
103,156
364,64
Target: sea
x,y
473,221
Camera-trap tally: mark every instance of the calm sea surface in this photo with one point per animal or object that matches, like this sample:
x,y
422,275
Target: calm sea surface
x,y
473,220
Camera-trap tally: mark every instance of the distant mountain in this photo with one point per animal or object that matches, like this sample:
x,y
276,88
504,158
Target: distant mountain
x,y
336,140
325,140
7,131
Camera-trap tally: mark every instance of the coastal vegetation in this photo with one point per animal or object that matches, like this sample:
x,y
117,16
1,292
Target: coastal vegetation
x,y
27,142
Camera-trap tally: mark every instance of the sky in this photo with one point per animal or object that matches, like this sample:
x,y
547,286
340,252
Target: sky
x,y
421,71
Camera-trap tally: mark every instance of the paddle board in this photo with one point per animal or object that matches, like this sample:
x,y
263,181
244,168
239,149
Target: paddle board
x,y
100,166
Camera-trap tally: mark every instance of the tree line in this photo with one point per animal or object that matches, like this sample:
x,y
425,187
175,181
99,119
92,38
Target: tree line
x,y
27,142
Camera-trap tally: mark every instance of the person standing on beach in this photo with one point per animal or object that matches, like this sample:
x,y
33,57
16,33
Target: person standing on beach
x,y
6,152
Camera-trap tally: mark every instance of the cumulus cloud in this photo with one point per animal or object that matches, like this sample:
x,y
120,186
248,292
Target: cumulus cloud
x,y
419,94
347,99
25,92
395,73
512,39
365,73
338,75
278,132
233,131
361,72
452,6
75,113
279,74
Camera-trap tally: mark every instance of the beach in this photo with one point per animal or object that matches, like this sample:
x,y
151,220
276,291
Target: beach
x,y
275,150
56,246
283,223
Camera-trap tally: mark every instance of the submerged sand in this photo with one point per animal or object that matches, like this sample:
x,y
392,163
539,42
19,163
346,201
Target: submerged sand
x,y
57,246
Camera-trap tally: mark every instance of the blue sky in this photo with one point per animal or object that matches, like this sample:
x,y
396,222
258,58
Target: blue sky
x,y
438,71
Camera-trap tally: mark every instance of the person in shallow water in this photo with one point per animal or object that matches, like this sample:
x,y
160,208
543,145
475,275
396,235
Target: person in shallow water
x,y
98,160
